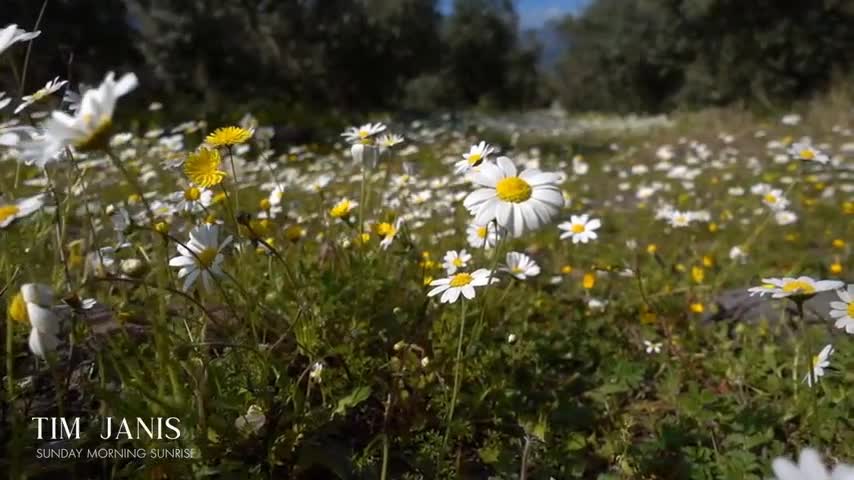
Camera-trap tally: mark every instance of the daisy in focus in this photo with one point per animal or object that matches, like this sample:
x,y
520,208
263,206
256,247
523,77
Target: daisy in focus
x,y
202,168
462,283
843,310
581,228
518,203
455,260
200,257
819,363
228,136
477,154
520,266
9,212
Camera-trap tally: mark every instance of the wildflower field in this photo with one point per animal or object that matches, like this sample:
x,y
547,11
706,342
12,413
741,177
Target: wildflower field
x,y
423,299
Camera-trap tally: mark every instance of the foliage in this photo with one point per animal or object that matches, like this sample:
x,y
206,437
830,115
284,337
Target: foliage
x,y
657,55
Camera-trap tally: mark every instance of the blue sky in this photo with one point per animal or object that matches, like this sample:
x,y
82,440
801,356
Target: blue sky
x,y
534,13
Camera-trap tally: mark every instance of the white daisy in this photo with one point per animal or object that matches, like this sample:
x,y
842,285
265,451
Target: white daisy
x,y
49,88
193,199
809,467
843,310
785,217
9,212
520,265
477,154
90,125
679,219
804,151
518,203
819,363
581,228
456,260
12,34
364,134
774,199
798,287
461,283
482,236
201,256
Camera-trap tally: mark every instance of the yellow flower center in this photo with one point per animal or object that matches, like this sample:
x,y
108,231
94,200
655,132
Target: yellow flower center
x,y
850,310
458,262
98,138
577,228
385,229
588,281
461,280
807,154
513,189
39,95
815,361
192,194
207,256
798,286
516,269
8,211
264,204
481,232
770,198
474,158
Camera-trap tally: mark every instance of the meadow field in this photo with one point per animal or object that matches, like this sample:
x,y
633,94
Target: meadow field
x,y
541,296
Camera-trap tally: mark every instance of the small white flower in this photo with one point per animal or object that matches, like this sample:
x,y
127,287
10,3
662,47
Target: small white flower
x,y
511,339
49,88
843,310
482,236
455,260
20,209
462,283
796,287
477,154
785,217
652,347
819,363
804,151
364,134
316,373
581,228
520,266
679,219
774,199
201,256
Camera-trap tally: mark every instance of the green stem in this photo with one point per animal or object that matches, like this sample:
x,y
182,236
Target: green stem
x,y
458,372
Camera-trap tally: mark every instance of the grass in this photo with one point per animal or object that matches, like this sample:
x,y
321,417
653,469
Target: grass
x,y
334,340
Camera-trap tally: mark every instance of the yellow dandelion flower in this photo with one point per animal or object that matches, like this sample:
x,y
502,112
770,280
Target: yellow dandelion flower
x,y
588,281
698,274
566,269
202,168
836,267
17,309
838,243
651,248
697,307
227,136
